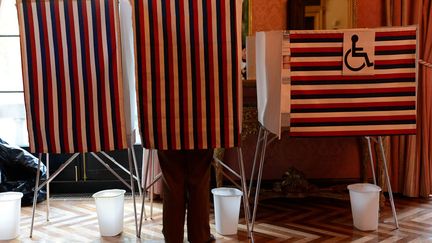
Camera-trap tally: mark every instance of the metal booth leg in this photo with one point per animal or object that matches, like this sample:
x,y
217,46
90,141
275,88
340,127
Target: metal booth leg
x,y
145,177
133,189
35,194
47,189
388,182
259,177
136,171
371,159
259,140
244,189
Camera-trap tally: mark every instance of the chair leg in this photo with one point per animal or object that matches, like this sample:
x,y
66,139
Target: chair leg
x,y
133,189
35,194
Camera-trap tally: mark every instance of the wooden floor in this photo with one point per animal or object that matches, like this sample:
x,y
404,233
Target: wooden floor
x,y
278,220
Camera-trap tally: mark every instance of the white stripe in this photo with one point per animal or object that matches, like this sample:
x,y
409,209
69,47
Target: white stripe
x,y
40,91
25,56
316,45
352,114
394,57
353,128
162,76
355,100
217,114
239,54
176,102
314,59
201,78
229,65
339,58
148,84
55,121
395,43
93,80
189,75
81,123
339,72
67,83
352,86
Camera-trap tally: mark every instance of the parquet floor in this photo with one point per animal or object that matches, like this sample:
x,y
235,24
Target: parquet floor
x,y
278,220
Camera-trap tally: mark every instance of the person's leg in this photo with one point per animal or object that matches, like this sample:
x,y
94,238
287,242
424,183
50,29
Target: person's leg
x,y
198,186
173,168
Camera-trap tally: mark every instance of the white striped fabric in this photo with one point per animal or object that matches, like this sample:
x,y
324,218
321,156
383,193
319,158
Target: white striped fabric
x,y
188,73
72,75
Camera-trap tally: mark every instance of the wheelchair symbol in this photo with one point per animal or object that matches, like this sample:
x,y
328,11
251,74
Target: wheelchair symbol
x,y
356,52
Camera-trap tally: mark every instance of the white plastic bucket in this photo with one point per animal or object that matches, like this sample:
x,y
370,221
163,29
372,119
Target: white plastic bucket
x,y
10,214
364,199
110,211
226,209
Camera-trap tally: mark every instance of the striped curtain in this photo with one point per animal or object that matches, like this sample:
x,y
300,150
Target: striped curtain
x,y
72,77
188,73
325,103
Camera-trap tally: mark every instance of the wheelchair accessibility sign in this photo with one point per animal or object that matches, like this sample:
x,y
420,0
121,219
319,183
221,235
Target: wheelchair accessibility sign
x,y
358,53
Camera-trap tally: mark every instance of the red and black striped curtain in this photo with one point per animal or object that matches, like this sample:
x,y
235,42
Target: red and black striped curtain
x,y
326,103
189,88
71,61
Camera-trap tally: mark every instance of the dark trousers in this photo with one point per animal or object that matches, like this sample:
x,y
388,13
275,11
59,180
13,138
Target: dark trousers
x,y
186,176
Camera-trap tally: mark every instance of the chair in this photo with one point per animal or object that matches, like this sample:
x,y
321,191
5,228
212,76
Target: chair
x,y
187,56
73,82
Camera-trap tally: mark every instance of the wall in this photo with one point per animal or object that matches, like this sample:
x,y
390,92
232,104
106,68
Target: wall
x,y
269,15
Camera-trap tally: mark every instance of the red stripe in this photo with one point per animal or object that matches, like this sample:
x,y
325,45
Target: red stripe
x,y
340,77
171,75
157,75
316,49
316,35
33,78
78,118
119,137
354,133
185,90
352,105
144,91
395,61
316,64
224,33
395,47
211,71
61,69
50,89
197,69
395,33
351,119
88,78
354,91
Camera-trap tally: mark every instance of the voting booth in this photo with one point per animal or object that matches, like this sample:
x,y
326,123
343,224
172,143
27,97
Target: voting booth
x,y
189,88
77,97
323,83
